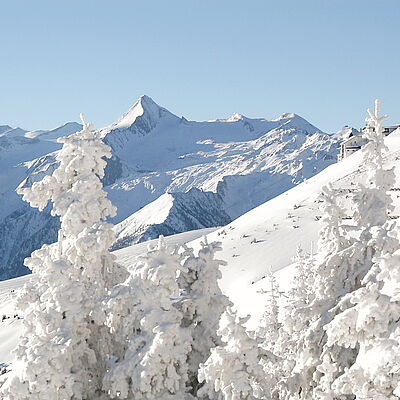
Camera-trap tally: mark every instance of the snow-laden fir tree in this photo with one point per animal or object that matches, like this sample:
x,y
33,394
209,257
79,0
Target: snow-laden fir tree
x,y
269,325
373,202
336,270
202,303
152,359
370,326
62,352
294,322
367,241
233,370
295,319
369,319
302,290
270,336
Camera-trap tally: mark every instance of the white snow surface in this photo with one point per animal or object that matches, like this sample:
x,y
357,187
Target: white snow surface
x,y
264,237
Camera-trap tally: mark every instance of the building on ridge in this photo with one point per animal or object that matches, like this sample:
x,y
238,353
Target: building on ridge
x,y
353,140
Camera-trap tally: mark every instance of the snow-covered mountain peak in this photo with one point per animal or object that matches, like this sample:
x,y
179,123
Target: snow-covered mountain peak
x,y
286,116
346,132
292,117
4,128
145,107
63,130
235,117
138,121
288,121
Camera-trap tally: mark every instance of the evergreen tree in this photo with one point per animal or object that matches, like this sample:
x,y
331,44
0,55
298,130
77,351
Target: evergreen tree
x,y
335,272
269,326
373,200
368,240
202,303
368,322
371,326
294,324
296,319
233,371
62,353
152,360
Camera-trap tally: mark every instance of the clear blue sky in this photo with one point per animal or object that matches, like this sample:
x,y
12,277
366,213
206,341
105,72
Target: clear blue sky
x,y
324,60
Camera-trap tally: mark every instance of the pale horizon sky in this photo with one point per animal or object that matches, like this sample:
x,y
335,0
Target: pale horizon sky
x,y
324,60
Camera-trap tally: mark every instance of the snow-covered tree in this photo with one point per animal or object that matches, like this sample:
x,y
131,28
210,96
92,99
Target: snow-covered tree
x,y
372,327
200,293
336,271
294,323
302,290
332,273
233,371
269,325
368,322
62,352
295,319
295,314
373,200
152,360
343,269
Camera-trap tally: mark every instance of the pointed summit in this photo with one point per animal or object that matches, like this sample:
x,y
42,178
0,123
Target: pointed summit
x,y
235,117
286,116
144,107
346,132
5,128
295,121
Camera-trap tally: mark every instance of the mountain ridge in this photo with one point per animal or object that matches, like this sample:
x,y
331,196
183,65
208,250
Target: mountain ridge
x,y
241,163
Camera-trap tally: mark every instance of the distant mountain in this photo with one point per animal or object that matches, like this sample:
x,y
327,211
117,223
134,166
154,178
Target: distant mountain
x,y
53,134
172,213
6,130
202,173
157,152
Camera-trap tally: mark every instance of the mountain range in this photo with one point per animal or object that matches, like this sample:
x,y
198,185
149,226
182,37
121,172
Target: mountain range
x,y
167,174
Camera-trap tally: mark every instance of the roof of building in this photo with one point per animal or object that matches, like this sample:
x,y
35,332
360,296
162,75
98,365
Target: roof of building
x,y
358,137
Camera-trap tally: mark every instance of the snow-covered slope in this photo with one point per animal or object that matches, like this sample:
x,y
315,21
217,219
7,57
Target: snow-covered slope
x,y
264,237
237,163
267,236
